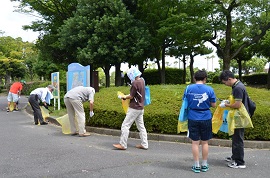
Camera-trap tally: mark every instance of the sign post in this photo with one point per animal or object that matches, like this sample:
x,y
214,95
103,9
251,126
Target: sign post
x,y
56,92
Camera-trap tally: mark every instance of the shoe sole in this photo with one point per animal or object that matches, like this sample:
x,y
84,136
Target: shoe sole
x,y
141,147
84,135
237,167
118,147
204,170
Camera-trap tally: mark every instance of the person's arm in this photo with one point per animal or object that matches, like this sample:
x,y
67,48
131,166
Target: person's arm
x,y
213,104
127,97
91,105
235,105
43,96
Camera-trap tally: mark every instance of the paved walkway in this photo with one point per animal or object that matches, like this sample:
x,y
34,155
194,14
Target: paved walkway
x,y
158,137
29,150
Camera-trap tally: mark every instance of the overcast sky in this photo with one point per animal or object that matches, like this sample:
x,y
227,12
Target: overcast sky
x,y
11,22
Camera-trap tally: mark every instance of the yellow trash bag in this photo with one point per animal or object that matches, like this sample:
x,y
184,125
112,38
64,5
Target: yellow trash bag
x,y
64,122
125,103
11,107
45,112
182,126
217,119
238,118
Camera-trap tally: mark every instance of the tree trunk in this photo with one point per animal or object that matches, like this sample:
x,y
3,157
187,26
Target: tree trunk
x,y
240,69
268,78
163,67
226,62
117,75
185,69
191,69
107,75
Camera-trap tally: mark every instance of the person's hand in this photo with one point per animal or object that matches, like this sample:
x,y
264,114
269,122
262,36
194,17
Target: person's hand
x,y
91,113
226,101
119,96
46,106
223,103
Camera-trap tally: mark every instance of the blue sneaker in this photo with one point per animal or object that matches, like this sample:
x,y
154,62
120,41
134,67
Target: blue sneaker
x,y
196,169
205,168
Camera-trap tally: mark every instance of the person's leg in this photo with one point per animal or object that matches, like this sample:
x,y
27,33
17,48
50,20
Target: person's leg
x,y
205,149
238,146
9,98
194,135
15,100
79,112
206,134
128,121
71,115
195,152
35,106
140,125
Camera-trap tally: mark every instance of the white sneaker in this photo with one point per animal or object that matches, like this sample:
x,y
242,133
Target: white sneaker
x,y
235,165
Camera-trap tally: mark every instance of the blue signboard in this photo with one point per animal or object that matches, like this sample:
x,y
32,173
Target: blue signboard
x,y
78,75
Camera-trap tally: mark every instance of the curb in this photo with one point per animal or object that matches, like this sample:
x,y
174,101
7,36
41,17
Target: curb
x,y
162,137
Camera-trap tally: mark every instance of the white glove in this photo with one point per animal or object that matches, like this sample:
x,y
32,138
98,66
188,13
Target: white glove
x,y
91,113
119,96
223,102
222,105
226,101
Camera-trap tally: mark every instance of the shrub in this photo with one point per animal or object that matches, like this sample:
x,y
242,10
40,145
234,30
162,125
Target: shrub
x,y
162,114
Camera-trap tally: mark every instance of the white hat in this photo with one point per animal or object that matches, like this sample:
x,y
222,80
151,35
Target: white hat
x,y
132,73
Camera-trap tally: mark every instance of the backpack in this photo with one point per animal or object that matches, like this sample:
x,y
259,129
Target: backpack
x,y
251,106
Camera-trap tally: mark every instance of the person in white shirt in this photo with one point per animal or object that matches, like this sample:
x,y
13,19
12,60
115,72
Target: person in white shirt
x,y
38,95
74,100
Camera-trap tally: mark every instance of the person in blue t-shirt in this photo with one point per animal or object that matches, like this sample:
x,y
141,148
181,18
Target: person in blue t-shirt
x,y
200,98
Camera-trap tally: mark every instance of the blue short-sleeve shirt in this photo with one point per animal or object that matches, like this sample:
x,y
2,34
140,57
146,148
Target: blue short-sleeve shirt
x,y
199,98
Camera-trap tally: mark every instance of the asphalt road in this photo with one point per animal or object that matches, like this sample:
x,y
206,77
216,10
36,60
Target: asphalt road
x,y
28,150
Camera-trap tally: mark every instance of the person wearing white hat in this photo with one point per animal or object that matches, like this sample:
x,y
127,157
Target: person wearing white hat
x,y
135,111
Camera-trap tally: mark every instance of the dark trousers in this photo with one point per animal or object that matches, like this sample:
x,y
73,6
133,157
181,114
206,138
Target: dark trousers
x,y
34,102
238,146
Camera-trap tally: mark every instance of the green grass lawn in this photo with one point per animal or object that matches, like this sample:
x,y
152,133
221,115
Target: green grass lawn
x,y
168,98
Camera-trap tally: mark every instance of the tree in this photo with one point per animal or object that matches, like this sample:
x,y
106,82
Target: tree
x,y
104,34
263,49
51,15
11,58
246,21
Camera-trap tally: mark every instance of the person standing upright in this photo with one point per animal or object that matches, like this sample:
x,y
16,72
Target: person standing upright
x,y
200,98
135,111
74,100
38,95
240,96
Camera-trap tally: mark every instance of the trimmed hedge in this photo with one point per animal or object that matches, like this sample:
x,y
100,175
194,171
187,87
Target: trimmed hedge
x,y
162,114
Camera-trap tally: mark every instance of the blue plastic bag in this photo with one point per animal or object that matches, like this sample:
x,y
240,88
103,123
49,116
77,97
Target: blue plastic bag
x,y
147,99
224,126
183,115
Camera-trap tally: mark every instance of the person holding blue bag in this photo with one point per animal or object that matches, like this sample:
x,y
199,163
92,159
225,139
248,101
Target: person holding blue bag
x,y
135,110
200,98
